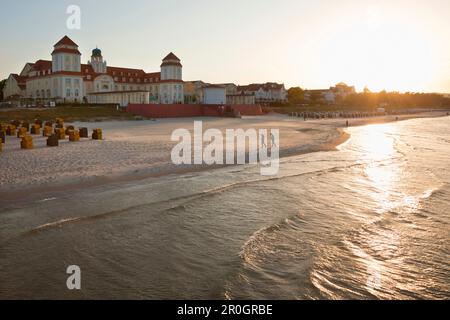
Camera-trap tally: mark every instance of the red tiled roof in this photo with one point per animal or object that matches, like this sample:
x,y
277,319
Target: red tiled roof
x,y
42,65
66,41
171,56
168,63
135,76
66,50
138,75
125,72
213,86
153,75
171,81
125,91
20,80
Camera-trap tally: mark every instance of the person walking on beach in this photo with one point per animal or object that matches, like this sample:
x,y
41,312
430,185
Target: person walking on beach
x,y
273,140
263,141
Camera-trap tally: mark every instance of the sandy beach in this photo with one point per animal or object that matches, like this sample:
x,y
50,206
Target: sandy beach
x,y
141,149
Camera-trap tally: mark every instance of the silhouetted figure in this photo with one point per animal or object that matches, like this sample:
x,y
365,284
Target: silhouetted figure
x,y
263,141
273,140
347,124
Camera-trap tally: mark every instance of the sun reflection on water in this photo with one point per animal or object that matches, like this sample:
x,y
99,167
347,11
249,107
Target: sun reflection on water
x,y
383,174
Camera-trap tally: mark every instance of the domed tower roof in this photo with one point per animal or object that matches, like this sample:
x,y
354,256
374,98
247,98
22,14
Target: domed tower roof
x,y
96,52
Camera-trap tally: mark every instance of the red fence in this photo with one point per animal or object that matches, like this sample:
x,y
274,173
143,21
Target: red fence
x,y
191,110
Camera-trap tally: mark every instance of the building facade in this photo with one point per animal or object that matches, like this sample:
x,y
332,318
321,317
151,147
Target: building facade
x,y
330,96
341,90
193,91
15,86
214,94
266,93
241,98
320,96
66,79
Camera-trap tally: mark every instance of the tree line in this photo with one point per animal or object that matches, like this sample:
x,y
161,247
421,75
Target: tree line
x,y
371,100
2,86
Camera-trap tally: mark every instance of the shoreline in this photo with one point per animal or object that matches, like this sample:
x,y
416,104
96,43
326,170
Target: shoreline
x,y
332,132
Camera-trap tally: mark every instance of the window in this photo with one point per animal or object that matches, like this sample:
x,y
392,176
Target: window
x,y
68,92
68,82
77,82
76,93
49,93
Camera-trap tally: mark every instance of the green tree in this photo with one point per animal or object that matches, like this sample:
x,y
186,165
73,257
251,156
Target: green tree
x,y
2,86
296,95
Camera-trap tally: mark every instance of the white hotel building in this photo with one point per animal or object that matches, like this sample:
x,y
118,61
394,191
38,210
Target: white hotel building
x,y
66,79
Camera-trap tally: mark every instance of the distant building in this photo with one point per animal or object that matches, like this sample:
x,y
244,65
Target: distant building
x,y
241,98
193,91
15,86
320,95
230,88
329,96
265,93
214,94
66,79
342,90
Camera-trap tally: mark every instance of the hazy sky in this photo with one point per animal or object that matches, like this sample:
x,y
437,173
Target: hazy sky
x,y
394,45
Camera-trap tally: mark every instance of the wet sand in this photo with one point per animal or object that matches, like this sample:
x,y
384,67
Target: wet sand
x,y
136,150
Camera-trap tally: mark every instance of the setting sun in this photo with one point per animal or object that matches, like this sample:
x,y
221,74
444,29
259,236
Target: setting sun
x,y
383,45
